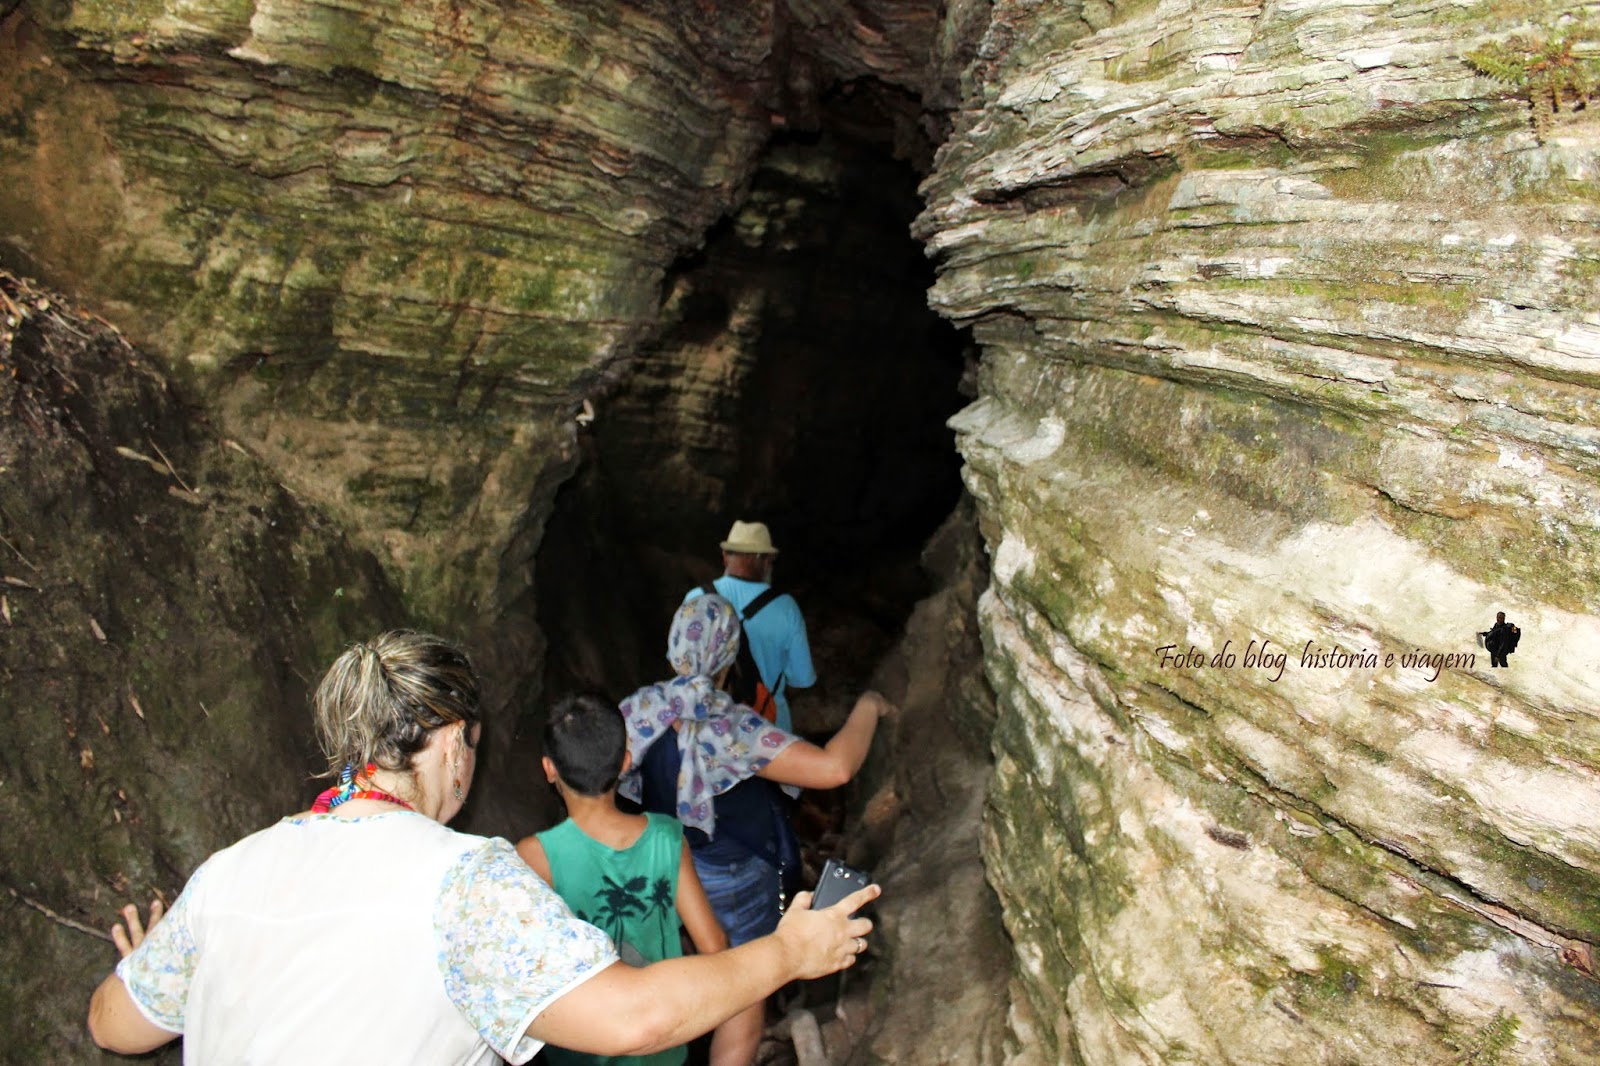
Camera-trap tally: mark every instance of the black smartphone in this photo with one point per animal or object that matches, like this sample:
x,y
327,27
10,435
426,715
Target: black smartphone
x,y
837,882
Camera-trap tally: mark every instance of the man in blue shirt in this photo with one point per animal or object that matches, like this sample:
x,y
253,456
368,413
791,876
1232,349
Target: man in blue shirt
x,y
777,634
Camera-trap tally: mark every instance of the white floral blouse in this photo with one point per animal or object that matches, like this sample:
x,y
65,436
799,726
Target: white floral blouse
x,y
300,938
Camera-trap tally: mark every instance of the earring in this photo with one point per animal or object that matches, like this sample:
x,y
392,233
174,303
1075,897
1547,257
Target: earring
x,y
459,796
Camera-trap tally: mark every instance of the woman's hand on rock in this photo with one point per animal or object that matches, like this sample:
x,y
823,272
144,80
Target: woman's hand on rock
x,y
880,704
826,941
133,933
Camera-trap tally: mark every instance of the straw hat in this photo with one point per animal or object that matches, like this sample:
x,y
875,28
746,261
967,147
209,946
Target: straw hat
x,y
749,538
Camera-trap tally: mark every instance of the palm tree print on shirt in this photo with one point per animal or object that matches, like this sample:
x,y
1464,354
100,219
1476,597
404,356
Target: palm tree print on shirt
x,y
661,899
618,902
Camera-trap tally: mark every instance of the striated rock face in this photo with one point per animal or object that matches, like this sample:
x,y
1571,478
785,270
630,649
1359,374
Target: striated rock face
x,y
1288,328
388,252
397,244
939,931
392,248
1289,333
393,244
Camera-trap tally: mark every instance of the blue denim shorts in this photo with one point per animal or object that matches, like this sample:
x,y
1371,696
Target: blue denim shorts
x,y
743,894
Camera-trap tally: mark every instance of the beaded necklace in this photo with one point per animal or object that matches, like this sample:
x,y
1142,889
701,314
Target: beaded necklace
x,y
348,789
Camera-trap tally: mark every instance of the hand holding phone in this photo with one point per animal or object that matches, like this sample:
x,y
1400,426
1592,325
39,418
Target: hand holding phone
x,y
837,882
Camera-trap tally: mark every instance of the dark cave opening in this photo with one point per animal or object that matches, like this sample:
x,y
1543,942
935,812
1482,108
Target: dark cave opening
x,y
800,379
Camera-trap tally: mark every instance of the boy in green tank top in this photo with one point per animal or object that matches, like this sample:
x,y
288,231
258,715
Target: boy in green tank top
x,y
628,874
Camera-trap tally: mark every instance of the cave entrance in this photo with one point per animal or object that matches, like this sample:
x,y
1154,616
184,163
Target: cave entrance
x,y
800,379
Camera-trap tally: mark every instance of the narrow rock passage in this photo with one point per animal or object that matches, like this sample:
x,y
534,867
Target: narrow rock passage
x,y
1283,328
799,379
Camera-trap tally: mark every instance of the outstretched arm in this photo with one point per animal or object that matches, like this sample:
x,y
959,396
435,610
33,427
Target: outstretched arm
x,y
636,1011
835,763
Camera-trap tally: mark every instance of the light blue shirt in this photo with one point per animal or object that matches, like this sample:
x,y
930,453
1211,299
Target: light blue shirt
x,y
777,636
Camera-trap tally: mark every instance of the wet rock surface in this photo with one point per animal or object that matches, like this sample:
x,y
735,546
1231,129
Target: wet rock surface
x,y
941,986
398,248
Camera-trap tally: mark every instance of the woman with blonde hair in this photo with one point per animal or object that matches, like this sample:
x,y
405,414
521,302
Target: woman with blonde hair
x,y
365,930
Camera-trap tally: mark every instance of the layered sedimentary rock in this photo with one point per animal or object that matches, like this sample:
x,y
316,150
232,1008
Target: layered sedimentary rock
x,y
387,249
393,247
1289,333
394,243
939,940
398,242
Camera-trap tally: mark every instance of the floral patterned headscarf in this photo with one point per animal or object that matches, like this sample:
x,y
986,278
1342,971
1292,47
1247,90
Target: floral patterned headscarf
x,y
722,742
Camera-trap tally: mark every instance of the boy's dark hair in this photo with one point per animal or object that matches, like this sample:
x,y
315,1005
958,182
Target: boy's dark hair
x,y
585,738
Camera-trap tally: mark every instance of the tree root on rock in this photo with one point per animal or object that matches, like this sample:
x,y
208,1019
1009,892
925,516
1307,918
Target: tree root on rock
x,y
59,919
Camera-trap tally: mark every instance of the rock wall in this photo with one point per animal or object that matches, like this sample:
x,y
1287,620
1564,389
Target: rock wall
x,y
1288,328
396,244
1289,332
381,253
392,244
166,607
393,247
940,940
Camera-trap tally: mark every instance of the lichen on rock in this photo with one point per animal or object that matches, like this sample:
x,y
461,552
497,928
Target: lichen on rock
x,y
1284,342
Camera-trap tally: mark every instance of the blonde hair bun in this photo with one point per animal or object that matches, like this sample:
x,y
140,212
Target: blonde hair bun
x,y
380,699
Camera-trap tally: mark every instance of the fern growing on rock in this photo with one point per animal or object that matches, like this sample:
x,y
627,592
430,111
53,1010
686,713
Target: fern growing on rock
x,y
1547,69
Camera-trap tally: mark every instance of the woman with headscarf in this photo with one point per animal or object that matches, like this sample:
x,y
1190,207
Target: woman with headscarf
x,y
364,930
714,763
